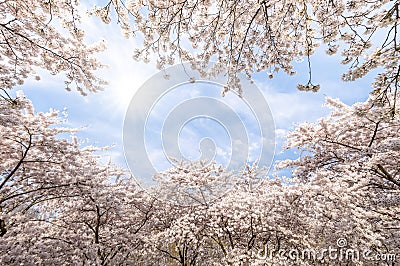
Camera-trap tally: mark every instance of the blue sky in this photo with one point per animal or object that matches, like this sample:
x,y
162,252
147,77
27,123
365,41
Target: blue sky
x,y
179,119
102,115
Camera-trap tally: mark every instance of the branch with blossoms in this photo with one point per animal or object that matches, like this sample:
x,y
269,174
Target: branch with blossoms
x,y
248,37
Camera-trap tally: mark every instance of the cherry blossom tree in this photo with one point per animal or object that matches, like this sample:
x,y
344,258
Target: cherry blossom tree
x,y
235,228
355,148
100,226
58,203
36,165
47,35
242,36
254,36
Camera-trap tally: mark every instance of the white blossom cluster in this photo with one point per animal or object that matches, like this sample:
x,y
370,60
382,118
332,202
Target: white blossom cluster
x,y
256,36
45,34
